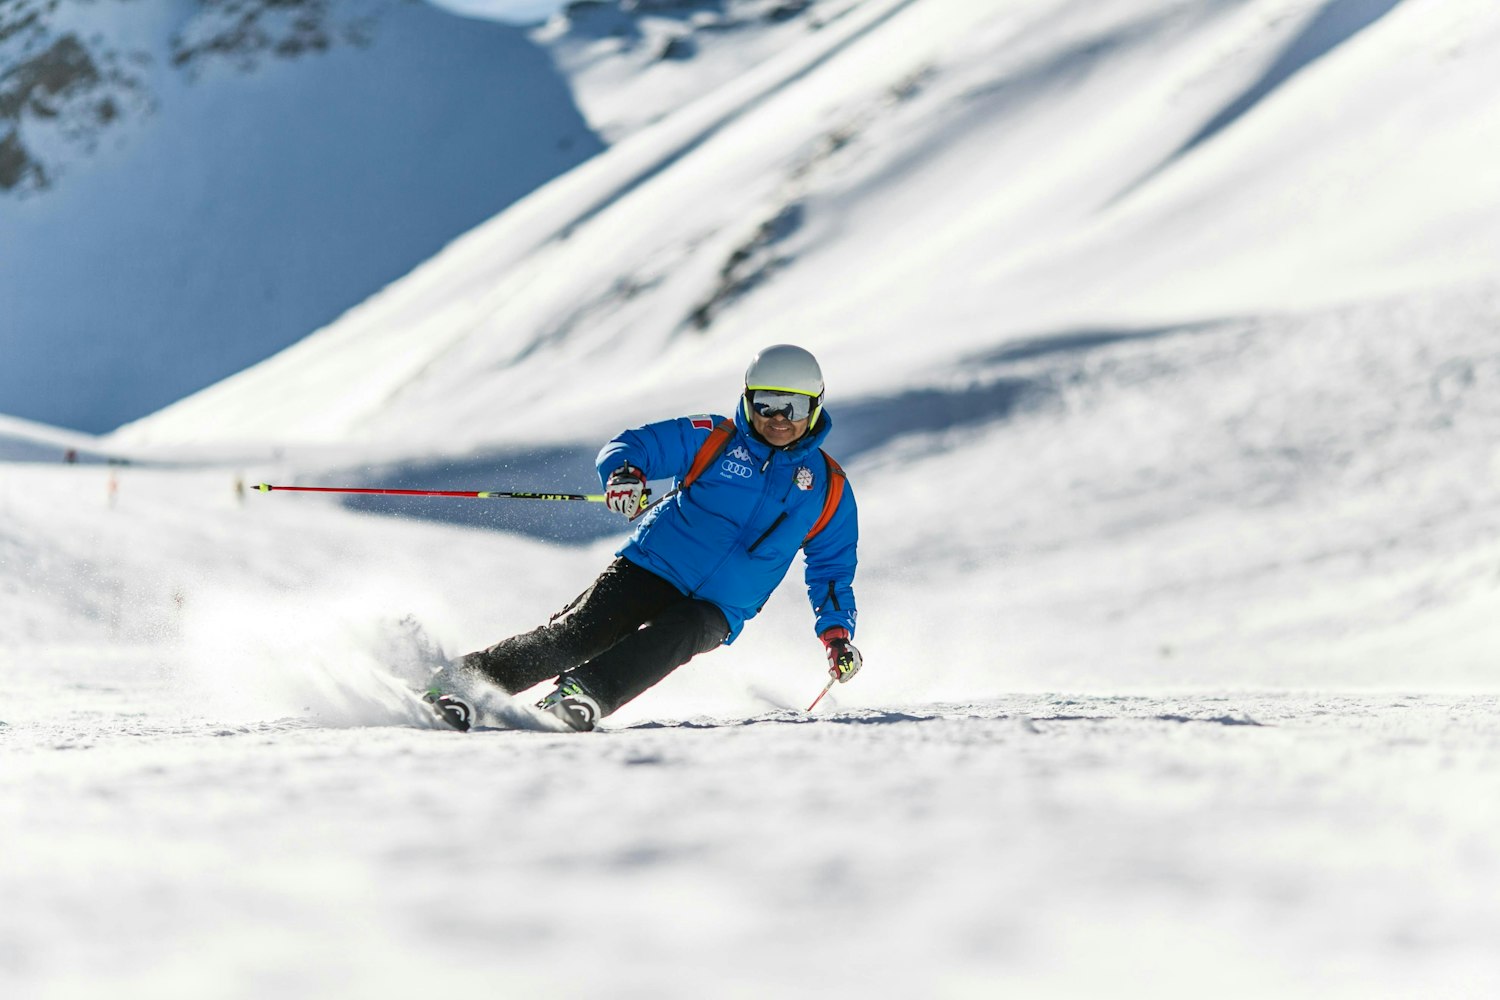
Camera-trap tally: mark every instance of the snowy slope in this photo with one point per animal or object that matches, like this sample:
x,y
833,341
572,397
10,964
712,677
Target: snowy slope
x,y
27,441
631,65
939,179
191,187
605,242
1051,848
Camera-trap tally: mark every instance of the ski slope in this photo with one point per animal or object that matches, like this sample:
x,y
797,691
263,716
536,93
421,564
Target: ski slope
x,y
1160,338
1048,846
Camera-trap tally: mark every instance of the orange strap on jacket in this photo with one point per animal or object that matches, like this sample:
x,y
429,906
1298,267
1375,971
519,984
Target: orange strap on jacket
x,y
709,452
831,498
718,439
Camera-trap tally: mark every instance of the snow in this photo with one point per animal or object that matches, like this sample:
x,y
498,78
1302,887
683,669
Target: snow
x,y
1128,846
633,70
1160,340
513,11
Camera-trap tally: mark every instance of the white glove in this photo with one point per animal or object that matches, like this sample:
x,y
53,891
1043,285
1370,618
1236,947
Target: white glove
x,y
844,660
625,491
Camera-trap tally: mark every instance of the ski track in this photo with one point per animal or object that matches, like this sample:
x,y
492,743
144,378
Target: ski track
x,y
1288,844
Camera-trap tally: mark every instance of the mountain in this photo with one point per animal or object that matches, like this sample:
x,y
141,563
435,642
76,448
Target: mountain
x,y
942,180
631,63
187,187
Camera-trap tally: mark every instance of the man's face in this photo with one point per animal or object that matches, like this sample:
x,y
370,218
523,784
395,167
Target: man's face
x,y
778,430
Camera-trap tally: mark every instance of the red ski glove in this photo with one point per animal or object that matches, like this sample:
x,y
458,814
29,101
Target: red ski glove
x,y
843,659
625,490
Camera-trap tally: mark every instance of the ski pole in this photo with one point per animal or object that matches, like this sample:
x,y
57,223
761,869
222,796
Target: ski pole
x,y
478,494
475,494
826,688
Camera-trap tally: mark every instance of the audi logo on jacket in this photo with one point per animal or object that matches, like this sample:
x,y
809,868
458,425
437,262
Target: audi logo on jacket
x,y
730,537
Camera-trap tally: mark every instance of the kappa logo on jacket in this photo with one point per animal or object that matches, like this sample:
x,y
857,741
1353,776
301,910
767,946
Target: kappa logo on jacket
x,y
741,454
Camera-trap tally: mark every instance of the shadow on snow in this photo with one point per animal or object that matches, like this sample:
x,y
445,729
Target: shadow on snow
x,y
885,718
986,388
1336,23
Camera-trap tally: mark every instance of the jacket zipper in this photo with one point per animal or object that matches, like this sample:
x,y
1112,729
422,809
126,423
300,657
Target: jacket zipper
x,y
767,533
833,597
761,502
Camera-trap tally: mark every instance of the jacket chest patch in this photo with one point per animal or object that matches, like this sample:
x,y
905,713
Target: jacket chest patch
x,y
738,463
804,478
732,469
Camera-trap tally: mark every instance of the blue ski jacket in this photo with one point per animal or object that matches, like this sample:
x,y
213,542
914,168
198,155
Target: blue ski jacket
x,y
730,537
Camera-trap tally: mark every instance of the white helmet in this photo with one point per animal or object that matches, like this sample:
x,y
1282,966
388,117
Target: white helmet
x,y
786,368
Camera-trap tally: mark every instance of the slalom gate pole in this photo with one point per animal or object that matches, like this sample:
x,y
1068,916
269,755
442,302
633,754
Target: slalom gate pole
x,y
826,688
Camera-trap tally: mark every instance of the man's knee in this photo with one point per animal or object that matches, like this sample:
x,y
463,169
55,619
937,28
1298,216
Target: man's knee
x,y
701,625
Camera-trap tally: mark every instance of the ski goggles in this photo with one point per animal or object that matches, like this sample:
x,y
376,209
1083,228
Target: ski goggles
x,y
792,405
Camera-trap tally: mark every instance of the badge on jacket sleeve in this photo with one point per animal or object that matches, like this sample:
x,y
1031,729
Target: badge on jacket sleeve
x,y
804,478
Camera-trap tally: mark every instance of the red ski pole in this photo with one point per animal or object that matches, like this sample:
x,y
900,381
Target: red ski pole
x,y
478,494
826,688
475,494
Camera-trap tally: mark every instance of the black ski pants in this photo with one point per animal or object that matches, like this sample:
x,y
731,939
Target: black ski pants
x,y
623,634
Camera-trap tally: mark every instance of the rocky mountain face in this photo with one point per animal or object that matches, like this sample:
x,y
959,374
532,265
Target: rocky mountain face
x,y
56,81
69,73
633,62
247,31
188,186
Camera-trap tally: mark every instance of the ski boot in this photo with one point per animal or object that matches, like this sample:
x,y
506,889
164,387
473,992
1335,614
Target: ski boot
x,y
451,709
447,693
572,704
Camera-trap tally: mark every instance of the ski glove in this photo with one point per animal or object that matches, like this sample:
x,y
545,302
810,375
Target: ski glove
x,y
843,659
625,490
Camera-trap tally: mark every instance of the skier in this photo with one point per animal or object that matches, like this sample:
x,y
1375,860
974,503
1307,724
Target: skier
x,y
702,561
